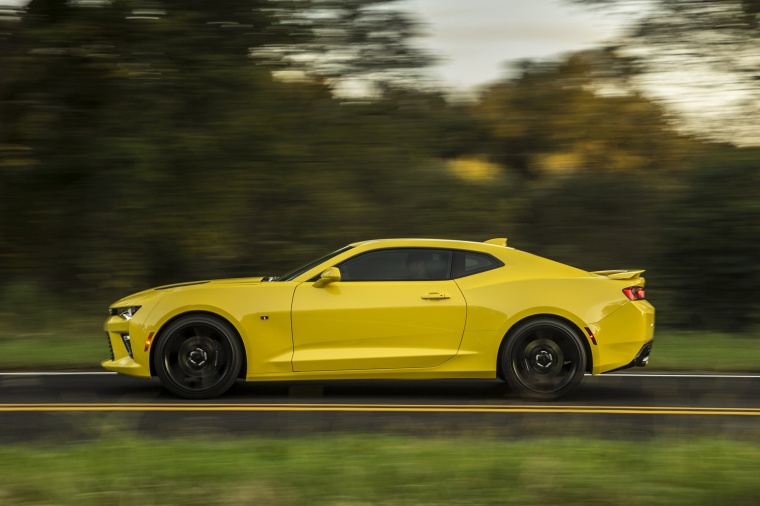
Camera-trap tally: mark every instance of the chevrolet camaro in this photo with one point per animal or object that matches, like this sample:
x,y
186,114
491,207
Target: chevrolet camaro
x,y
393,309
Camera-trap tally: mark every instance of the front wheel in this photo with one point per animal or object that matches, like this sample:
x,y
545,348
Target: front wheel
x,y
543,359
198,357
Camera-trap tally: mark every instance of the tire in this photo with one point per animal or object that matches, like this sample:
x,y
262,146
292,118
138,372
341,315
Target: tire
x,y
198,357
544,359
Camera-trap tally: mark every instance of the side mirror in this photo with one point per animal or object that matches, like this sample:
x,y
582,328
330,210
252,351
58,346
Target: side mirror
x,y
330,275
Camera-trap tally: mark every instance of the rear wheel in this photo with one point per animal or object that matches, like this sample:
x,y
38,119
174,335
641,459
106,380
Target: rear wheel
x,y
198,357
543,359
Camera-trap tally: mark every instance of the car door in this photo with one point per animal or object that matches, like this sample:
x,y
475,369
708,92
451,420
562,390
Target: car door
x,y
391,309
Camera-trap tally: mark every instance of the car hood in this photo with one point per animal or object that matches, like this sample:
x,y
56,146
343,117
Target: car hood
x,y
230,281
139,298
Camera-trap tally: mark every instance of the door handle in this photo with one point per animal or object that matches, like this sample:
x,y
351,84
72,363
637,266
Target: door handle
x,y
436,296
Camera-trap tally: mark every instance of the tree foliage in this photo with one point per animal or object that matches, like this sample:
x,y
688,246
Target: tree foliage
x,y
356,46
708,256
144,143
578,114
702,56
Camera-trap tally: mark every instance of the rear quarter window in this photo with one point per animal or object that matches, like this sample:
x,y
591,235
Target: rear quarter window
x,y
467,263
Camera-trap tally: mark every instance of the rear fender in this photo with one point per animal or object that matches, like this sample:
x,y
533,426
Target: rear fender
x,y
581,327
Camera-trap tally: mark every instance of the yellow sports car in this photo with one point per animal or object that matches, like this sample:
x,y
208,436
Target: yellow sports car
x,y
395,308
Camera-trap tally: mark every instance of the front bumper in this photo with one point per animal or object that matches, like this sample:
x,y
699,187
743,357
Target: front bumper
x,y
121,336
126,366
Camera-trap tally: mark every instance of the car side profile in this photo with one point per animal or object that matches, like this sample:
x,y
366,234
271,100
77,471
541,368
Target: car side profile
x,y
389,309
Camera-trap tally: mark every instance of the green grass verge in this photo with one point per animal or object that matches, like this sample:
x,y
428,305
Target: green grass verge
x,y
369,470
702,351
41,352
62,344
68,349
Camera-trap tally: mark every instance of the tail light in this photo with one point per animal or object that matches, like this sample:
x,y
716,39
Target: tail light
x,y
634,292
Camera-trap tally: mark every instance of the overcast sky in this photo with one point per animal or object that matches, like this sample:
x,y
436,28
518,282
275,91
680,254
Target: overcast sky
x,y
476,37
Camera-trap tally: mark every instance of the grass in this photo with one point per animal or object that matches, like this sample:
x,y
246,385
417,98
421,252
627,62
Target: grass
x,y
82,345
52,344
382,470
703,351
52,352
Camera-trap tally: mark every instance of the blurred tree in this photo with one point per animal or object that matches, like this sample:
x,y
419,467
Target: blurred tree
x,y
578,114
359,47
147,142
703,56
595,221
708,257
115,114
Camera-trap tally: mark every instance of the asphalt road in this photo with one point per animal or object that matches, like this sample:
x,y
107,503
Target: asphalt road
x,y
83,406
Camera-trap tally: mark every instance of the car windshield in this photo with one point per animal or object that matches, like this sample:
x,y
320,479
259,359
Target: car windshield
x,y
297,272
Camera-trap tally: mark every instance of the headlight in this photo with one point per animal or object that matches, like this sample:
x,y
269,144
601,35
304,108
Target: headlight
x,y
125,312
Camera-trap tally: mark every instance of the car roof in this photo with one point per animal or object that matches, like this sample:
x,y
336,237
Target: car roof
x,y
427,243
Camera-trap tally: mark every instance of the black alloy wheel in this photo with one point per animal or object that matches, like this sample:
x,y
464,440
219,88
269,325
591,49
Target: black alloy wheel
x,y
544,359
198,357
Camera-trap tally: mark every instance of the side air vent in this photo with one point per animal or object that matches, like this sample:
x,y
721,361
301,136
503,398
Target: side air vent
x,y
110,348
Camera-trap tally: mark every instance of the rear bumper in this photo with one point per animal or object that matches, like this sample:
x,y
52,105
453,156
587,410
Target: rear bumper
x,y
641,359
624,338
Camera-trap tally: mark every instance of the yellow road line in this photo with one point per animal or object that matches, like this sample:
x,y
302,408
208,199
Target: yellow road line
x,y
397,408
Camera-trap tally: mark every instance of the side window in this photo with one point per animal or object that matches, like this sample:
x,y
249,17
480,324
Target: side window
x,y
403,264
471,262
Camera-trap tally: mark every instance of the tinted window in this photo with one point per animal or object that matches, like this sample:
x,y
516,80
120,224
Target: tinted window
x,y
467,263
402,264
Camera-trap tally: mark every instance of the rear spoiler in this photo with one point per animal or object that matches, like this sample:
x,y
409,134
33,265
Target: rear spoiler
x,y
619,274
499,241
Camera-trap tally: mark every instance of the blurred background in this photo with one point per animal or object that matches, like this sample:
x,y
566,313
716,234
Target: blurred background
x,y
149,142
